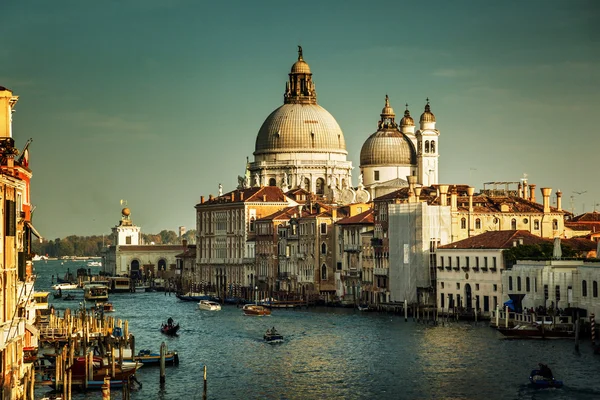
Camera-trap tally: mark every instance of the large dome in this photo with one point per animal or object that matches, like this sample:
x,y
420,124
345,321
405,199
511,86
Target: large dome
x,y
388,147
300,127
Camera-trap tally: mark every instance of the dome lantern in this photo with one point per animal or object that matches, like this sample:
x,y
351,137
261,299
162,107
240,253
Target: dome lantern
x,y
427,116
300,89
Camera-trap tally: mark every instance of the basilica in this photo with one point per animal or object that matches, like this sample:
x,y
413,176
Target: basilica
x,y
301,145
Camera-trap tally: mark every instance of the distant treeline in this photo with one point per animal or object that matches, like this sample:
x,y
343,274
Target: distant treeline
x,y
91,246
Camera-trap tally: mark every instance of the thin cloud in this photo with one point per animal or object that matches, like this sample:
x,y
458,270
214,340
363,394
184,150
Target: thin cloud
x,y
113,127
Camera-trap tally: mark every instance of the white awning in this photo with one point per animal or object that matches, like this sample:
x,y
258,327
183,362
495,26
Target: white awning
x,y
35,331
33,230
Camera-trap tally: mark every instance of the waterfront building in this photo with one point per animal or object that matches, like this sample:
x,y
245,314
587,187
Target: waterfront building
x,y
226,226
469,275
141,262
354,277
555,284
586,224
499,206
16,278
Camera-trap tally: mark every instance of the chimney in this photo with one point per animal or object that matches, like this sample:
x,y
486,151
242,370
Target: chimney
x,y
443,195
453,199
299,210
412,180
546,196
265,198
559,200
532,192
520,191
210,197
417,193
470,191
232,197
334,213
525,194
241,195
201,199
184,243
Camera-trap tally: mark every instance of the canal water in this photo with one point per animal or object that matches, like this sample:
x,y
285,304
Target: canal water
x,y
332,353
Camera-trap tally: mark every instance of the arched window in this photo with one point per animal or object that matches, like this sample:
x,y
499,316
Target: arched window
x,y
433,146
323,248
527,284
162,265
584,288
427,146
323,272
518,283
251,224
555,224
510,283
477,223
595,289
513,224
272,182
536,224
307,184
320,189
463,223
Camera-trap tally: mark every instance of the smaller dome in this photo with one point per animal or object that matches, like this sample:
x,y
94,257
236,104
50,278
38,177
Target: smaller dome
x,y
126,212
407,120
427,116
300,67
387,148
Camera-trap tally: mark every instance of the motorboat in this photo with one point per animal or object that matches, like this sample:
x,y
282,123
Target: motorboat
x,y
193,296
147,357
540,381
539,331
272,336
65,286
256,310
209,305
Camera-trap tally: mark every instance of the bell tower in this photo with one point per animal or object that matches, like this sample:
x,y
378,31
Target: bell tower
x,y
427,148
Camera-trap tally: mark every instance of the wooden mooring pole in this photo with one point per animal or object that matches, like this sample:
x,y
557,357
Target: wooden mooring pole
x,y
204,392
593,328
106,389
163,351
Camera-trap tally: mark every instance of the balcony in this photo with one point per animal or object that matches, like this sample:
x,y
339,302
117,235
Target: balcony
x,y
352,248
380,271
465,268
456,268
284,275
351,273
475,268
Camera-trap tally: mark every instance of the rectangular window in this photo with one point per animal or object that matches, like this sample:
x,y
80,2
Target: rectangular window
x,y
457,286
442,301
485,262
557,291
467,261
376,175
494,262
477,262
495,287
449,261
442,262
457,262
128,240
545,292
477,286
10,226
323,228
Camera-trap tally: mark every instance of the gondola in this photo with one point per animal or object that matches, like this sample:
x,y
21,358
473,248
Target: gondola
x,y
169,328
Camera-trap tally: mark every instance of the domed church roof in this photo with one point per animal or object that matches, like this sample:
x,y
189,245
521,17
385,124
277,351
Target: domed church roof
x,y
387,146
300,124
407,120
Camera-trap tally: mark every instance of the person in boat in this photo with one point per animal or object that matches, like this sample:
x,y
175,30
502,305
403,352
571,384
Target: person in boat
x,y
545,371
170,322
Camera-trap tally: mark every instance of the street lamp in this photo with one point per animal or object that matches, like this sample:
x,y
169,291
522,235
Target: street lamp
x,y
256,294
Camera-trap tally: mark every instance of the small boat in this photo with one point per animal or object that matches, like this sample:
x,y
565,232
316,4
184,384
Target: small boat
x,y
539,331
148,358
65,286
363,307
58,295
272,336
169,328
209,305
540,381
101,368
105,307
256,310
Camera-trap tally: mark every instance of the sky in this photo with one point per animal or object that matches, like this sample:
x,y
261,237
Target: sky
x,y
157,102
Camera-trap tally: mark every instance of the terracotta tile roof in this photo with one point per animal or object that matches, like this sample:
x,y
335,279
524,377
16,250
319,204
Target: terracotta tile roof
x,y
151,247
590,217
579,227
364,218
190,252
496,240
268,194
284,214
